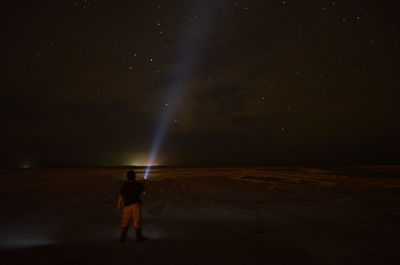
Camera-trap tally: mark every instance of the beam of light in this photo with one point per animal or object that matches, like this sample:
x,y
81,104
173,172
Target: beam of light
x,y
189,49
15,242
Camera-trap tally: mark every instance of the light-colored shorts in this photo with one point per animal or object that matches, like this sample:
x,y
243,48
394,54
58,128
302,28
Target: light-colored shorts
x,y
132,211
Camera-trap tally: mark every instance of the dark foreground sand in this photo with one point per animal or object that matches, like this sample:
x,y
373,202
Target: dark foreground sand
x,y
343,215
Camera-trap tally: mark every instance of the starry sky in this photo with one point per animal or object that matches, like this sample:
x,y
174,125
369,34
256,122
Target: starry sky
x,y
255,82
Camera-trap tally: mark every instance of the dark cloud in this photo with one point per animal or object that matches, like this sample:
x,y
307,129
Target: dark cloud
x,y
265,124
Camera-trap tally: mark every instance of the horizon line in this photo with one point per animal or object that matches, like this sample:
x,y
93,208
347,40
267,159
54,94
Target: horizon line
x,y
200,166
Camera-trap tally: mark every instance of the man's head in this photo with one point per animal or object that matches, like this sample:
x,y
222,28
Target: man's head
x,y
131,175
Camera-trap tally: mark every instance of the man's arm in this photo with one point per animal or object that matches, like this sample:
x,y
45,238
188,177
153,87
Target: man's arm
x,y
120,200
142,191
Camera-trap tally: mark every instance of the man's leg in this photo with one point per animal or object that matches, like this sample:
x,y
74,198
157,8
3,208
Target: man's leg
x,y
125,221
124,233
137,221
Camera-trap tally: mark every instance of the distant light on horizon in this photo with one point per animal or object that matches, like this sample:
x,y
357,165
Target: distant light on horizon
x,y
26,165
141,160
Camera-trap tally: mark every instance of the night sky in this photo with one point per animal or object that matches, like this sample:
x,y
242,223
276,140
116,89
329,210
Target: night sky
x,y
267,82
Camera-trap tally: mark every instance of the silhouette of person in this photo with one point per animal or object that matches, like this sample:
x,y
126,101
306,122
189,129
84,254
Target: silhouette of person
x,y
130,196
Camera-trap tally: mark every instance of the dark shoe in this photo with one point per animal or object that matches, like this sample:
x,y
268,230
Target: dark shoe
x,y
140,239
139,236
124,233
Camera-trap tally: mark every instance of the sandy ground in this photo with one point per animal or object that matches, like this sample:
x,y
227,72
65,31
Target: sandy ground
x,y
347,215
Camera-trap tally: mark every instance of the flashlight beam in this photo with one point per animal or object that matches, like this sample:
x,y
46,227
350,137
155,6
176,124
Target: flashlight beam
x,y
188,55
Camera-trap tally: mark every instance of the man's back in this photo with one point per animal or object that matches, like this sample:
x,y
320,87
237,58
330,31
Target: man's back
x,y
130,194
131,190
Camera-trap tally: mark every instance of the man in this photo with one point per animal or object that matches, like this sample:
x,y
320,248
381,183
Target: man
x,y
130,195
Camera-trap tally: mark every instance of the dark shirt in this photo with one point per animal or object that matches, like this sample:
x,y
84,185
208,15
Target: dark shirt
x,y
131,191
